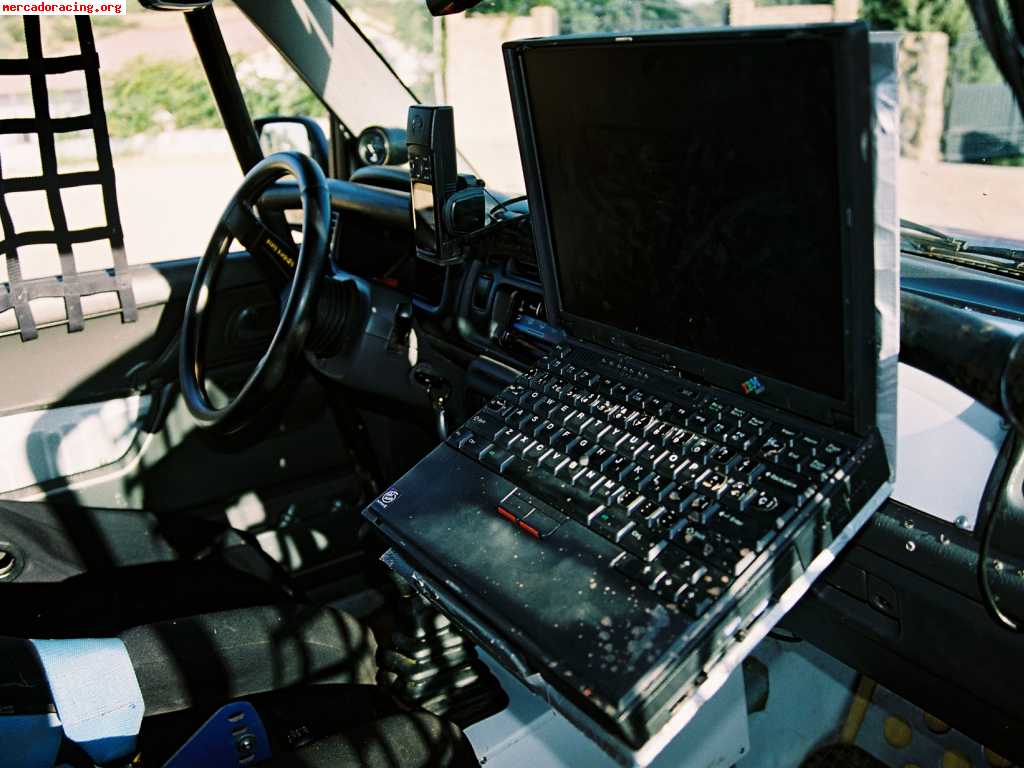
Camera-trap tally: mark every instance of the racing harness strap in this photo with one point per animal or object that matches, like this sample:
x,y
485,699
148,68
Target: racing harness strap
x,y
96,694
70,285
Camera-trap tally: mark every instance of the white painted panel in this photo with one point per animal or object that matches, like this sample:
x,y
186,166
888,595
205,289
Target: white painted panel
x,y
38,446
947,445
530,733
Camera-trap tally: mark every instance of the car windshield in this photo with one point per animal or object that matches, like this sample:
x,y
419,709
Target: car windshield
x,y
962,136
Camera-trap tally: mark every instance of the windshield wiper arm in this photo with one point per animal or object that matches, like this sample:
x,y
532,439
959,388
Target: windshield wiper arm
x,y
922,240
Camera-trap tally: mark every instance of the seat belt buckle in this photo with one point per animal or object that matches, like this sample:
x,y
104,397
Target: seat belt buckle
x,y
234,735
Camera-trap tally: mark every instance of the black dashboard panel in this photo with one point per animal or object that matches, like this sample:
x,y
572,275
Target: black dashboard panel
x,y
902,603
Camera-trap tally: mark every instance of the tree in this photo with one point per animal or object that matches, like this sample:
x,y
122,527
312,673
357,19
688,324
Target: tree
x,y
949,16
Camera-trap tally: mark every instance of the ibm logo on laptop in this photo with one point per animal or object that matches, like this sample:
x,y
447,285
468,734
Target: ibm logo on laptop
x,y
752,386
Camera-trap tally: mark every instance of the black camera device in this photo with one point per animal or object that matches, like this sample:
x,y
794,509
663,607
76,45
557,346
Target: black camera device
x,y
445,206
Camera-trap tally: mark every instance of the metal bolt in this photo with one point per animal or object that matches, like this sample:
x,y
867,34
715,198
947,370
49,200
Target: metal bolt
x,y
336,505
246,744
998,565
911,546
961,522
908,524
944,539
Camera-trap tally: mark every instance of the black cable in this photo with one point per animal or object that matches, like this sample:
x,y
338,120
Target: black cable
x,y
991,602
501,205
1005,474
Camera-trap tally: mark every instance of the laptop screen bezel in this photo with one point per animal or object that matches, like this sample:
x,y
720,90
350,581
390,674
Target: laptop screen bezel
x,y
855,411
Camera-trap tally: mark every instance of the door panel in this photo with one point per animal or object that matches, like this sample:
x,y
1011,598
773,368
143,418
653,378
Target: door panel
x,y
94,418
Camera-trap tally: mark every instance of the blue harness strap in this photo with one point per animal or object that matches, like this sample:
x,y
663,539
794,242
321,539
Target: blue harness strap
x,y
96,694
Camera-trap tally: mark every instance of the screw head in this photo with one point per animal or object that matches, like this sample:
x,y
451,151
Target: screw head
x,y
246,744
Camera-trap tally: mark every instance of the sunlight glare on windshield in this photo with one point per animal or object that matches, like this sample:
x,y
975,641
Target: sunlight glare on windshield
x,y
961,134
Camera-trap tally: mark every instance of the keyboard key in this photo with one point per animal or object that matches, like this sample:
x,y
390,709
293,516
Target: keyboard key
x,y
649,453
698,508
627,499
615,465
578,447
606,491
577,420
545,431
698,422
635,399
700,451
485,425
773,446
638,570
736,496
832,452
735,416
619,393
756,425
561,439
668,464
568,469
588,479
677,439
472,444
722,456
818,469
594,429
639,541
536,452
496,458
629,446
530,423
633,475
553,460
596,456
739,438
662,520
788,487
657,486
791,458
642,424
746,469
712,484
653,405
543,408
523,447
611,523
675,414
717,430
690,475
612,436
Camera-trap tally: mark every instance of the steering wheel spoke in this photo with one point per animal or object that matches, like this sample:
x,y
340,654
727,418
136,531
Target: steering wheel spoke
x,y
281,258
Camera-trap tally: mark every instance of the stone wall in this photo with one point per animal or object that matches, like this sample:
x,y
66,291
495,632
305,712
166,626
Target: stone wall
x,y
477,88
744,13
923,65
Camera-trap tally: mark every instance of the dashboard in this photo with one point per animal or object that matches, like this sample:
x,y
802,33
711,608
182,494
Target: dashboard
x,y
902,604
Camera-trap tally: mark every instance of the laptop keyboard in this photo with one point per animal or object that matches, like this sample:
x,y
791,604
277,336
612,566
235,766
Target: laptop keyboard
x,y
689,488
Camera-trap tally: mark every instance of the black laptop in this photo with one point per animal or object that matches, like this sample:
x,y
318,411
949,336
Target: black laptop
x,y
636,511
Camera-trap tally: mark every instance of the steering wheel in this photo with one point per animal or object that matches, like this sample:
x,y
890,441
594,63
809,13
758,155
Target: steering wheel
x,y
299,274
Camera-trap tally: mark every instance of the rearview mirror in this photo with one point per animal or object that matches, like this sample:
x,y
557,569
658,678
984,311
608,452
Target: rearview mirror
x,y
446,7
174,5
279,134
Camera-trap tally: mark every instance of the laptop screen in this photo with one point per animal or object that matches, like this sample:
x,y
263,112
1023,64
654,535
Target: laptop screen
x,y
692,196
